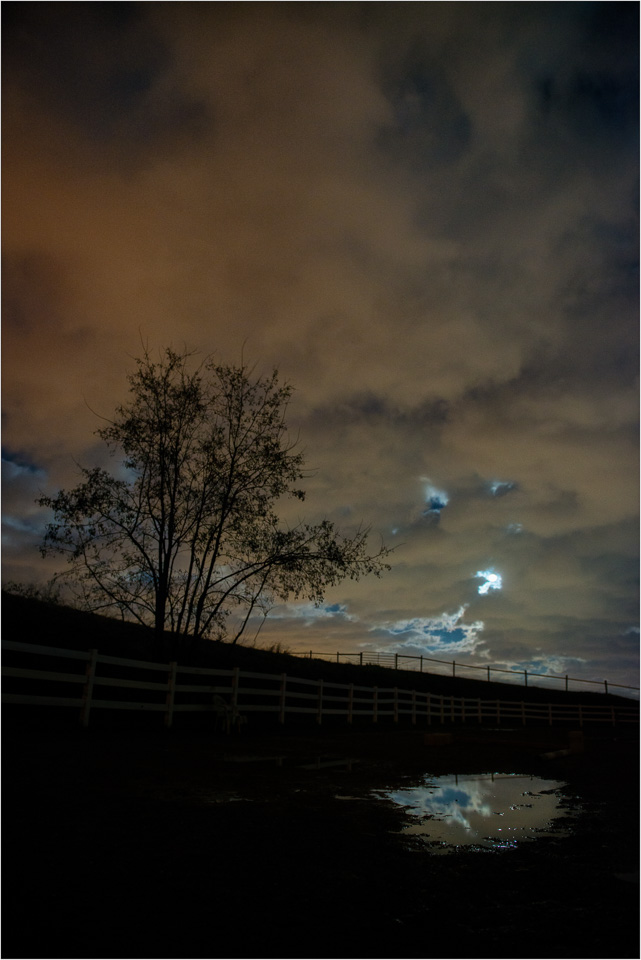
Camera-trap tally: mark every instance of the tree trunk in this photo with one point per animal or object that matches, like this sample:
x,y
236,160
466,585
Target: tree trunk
x,y
159,623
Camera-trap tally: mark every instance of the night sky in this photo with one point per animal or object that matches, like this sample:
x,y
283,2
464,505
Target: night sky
x,y
424,215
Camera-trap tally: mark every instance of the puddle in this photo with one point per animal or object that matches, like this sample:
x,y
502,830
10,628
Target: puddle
x,y
487,811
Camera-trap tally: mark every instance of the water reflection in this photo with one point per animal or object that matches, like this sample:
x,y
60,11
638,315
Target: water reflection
x,y
495,811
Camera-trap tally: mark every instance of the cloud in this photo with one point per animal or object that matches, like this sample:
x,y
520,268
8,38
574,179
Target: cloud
x,y
310,612
499,488
422,215
22,520
446,633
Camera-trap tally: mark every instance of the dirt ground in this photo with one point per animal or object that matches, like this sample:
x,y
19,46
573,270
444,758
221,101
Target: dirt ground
x,y
194,844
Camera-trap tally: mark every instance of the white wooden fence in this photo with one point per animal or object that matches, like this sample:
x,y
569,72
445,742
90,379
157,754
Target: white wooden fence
x,y
102,682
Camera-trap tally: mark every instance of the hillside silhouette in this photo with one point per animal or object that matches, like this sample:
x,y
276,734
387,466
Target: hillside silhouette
x,y
29,620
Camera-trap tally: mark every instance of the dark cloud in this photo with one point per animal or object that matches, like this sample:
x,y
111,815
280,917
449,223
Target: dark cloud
x,y
428,126
32,291
102,68
371,408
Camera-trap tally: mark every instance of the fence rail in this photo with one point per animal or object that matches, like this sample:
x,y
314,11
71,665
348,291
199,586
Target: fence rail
x,y
398,661
116,683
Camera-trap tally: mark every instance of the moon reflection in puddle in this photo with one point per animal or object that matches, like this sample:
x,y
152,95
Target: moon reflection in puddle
x,y
495,811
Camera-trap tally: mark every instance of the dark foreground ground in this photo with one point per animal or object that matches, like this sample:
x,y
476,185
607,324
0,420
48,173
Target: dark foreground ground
x,y
137,844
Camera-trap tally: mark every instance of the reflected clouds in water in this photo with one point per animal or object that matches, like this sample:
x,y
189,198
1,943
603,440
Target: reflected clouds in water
x,y
489,810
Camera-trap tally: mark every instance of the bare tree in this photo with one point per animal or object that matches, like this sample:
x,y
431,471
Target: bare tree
x,y
186,537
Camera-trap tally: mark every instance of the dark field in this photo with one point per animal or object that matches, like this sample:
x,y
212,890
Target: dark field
x,y
143,844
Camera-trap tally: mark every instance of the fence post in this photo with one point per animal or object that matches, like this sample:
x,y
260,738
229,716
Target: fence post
x,y
361,658
283,695
421,664
171,693
87,690
488,673
375,705
606,686
319,714
338,657
350,703
396,661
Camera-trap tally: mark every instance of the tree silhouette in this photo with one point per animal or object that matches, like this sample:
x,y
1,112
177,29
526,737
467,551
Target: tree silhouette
x,y
186,536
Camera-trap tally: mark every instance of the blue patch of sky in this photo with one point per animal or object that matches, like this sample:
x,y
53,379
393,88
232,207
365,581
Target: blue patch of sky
x,y
431,634
18,532
438,799
432,629
435,500
19,476
452,638
18,463
532,665
17,523
22,479
454,795
552,666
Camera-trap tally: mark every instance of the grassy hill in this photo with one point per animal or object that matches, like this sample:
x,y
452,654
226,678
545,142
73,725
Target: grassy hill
x,y
29,620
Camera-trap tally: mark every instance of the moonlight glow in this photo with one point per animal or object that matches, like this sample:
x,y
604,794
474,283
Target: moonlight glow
x,y
493,581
